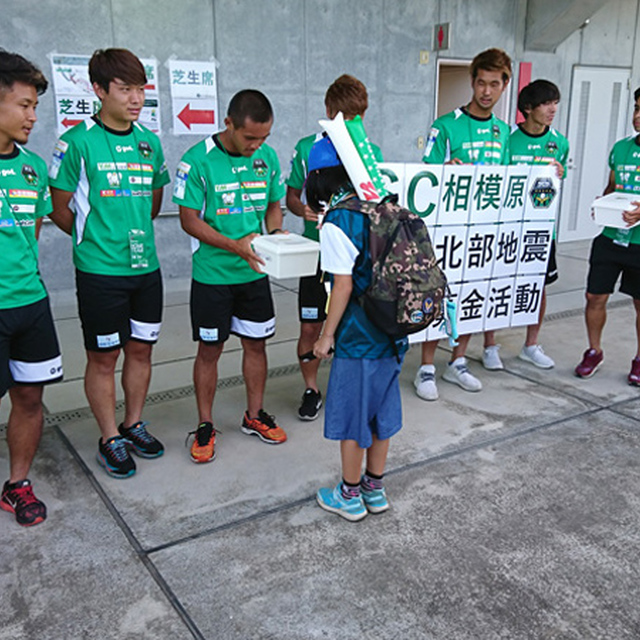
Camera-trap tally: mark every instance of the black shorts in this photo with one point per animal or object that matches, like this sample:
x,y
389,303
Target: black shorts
x,y
246,310
607,261
312,298
29,351
552,265
113,309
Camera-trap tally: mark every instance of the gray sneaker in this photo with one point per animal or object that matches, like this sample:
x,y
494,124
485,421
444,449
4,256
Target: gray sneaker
x,y
458,373
535,355
425,382
491,358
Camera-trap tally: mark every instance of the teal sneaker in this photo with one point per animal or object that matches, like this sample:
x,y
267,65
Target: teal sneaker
x,y
332,500
375,500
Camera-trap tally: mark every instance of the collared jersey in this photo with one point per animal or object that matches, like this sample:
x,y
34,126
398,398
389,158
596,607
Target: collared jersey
x,y
298,174
232,193
112,175
459,135
24,197
624,161
526,148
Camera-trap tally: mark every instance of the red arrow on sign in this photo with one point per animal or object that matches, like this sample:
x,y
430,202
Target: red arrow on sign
x,y
70,123
189,116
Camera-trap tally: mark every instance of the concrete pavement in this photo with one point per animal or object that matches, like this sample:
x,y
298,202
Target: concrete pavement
x,y
514,510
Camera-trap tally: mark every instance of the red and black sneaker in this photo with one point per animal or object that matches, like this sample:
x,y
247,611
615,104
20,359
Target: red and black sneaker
x,y
18,498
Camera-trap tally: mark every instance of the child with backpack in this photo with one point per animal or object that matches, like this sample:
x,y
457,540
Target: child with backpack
x,y
363,407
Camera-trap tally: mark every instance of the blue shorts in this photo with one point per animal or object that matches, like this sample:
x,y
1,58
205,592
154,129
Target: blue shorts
x,y
363,398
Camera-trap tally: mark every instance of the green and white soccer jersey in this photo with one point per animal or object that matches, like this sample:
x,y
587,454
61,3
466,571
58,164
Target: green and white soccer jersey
x,y
112,175
624,161
298,171
525,148
24,197
460,136
232,194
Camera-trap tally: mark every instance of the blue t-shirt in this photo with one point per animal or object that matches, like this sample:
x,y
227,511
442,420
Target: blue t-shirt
x,y
344,249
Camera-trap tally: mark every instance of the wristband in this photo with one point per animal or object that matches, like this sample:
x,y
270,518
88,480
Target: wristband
x,y
274,231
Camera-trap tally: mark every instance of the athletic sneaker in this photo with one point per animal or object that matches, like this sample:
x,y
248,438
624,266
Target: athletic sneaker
x,y
375,500
634,375
265,427
491,358
18,498
332,500
141,441
311,403
591,361
114,456
425,382
204,443
535,355
458,373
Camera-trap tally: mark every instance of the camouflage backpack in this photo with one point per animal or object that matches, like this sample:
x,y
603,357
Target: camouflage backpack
x,y
407,288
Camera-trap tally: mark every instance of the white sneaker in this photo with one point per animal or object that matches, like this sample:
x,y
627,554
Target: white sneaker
x,y
458,373
535,355
425,382
491,358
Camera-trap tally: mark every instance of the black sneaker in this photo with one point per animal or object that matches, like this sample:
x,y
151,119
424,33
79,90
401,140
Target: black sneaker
x,y
311,403
141,441
114,456
18,498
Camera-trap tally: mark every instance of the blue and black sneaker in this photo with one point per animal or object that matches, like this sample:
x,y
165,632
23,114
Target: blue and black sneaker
x,y
141,441
114,456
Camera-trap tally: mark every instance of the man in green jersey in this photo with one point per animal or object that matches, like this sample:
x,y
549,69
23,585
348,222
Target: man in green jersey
x,y
469,135
226,187
534,141
349,96
29,352
616,251
107,176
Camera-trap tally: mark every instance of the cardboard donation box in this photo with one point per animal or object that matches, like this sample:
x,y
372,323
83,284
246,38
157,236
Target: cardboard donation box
x,y
287,255
608,209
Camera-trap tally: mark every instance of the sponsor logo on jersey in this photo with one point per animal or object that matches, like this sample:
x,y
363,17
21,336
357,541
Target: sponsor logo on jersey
x,y
30,175
23,193
542,193
229,198
260,167
106,166
6,223
140,180
230,186
7,172
115,193
225,211
246,197
255,184
145,149
113,178
123,149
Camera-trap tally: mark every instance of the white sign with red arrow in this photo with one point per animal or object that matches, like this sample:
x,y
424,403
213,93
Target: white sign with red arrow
x,y
194,97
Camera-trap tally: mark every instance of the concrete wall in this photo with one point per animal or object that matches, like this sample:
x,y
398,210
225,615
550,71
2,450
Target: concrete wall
x,y
292,50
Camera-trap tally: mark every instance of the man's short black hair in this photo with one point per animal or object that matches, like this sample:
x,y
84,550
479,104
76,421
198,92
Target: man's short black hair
x,y
321,184
108,64
14,68
636,94
249,103
536,93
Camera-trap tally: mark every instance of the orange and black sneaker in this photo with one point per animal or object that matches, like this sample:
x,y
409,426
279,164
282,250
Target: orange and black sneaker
x,y
18,498
203,448
265,427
